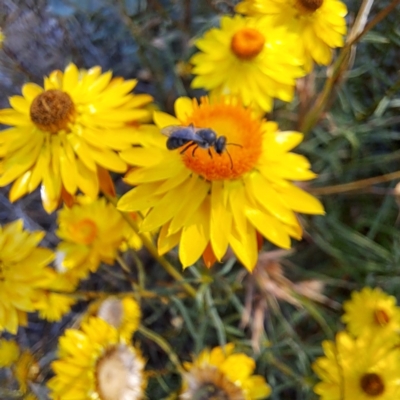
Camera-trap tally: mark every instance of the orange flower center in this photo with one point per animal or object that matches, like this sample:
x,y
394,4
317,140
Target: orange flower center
x,y
309,6
241,131
372,384
52,111
247,43
381,317
83,231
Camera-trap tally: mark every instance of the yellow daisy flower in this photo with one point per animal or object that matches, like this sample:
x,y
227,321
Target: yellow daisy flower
x,y
364,368
205,201
26,370
372,310
9,352
23,271
95,363
246,57
91,233
68,134
223,374
319,24
122,313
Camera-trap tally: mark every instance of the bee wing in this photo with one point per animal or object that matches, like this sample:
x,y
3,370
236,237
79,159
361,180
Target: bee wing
x,y
184,132
169,130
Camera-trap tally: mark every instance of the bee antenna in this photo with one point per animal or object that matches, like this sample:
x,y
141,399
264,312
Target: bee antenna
x,y
234,144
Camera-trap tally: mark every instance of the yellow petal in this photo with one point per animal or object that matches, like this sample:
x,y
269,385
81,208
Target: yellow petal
x,y
68,171
237,202
21,161
269,227
238,367
41,167
31,90
221,220
256,387
88,180
183,108
20,187
108,159
167,242
82,149
142,157
261,190
8,116
20,104
173,181
50,199
282,142
139,198
70,78
299,200
158,172
166,208
243,241
195,236
189,204
162,119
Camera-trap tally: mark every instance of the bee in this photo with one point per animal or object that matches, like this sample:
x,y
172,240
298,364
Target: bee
x,y
189,136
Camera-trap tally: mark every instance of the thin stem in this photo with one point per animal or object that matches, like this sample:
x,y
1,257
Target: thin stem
x,y
152,249
156,338
378,18
287,370
338,69
356,185
123,264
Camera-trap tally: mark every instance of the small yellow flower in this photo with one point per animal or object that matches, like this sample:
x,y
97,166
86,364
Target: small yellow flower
x,y
122,313
205,201
23,273
91,233
26,370
318,24
364,368
68,135
246,57
95,363
9,352
223,374
372,310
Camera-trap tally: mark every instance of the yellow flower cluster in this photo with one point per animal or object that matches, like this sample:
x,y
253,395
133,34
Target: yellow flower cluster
x,y
27,283
364,362
220,176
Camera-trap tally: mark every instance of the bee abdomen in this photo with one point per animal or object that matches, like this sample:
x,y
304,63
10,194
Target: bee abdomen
x,y
174,143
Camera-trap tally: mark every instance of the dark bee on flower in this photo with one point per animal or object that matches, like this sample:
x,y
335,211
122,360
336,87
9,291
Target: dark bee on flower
x,y
191,137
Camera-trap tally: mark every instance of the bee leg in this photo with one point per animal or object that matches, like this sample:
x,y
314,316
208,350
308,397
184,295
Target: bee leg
x,y
194,150
187,147
209,153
